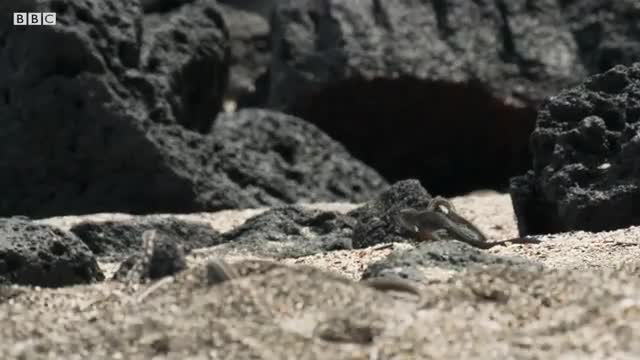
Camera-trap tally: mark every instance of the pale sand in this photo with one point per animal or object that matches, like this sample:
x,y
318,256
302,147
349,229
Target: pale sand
x,y
583,307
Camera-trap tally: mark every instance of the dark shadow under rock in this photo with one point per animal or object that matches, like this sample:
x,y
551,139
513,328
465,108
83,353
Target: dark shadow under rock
x,y
116,240
42,255
448,255
453,137
376,220
585,158
161,6
443,91
292,231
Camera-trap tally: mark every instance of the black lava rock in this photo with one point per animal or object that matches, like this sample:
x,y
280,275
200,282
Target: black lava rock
x,y
585,158
108,110
376,220
117,240
42,255
293,231
443,91
84,106
250,39
277,159
606,32
184,60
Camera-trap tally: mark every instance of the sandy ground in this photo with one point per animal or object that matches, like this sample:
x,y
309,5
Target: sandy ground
x,y
585,304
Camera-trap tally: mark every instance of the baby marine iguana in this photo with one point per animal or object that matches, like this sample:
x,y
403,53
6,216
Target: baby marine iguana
x,y
432,223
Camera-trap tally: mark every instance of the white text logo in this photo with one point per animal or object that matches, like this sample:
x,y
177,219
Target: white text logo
x,y
37,18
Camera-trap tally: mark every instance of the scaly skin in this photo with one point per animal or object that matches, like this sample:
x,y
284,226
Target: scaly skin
x,y
429,224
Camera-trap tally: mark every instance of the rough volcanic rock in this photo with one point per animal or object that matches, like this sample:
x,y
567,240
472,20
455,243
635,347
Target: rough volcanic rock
x,y
250,38
162,255
607,32
412,263
376,220
444,91
585,158
185,65
94,117
292,231
260,7
161,6
278,159
42,255
75,135
116,240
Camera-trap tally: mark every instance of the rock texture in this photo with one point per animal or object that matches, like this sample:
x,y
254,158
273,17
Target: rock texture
x,y
247,23
292,232
452,103
77,99
250,39
581,305
260,7
585,158
376,220
162,6
116,240
184,63
41,255
606,32
115,124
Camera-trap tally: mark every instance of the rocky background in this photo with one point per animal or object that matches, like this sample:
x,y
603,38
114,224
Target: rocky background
x,y
149,107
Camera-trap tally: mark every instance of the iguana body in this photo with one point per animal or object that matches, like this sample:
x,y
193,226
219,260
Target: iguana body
x,y
432,223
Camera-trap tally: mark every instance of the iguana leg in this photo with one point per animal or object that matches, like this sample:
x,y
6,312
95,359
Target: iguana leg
x,y
436,235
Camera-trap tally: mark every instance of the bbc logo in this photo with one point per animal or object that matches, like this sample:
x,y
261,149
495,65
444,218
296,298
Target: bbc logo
x,y
34,18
